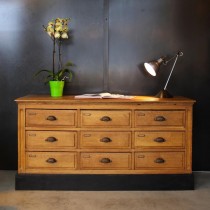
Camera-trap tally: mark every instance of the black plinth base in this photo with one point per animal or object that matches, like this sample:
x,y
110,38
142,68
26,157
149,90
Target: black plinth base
x,y
97,182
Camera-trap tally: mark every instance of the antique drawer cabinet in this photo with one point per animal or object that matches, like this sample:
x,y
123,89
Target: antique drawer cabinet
x,y
139,136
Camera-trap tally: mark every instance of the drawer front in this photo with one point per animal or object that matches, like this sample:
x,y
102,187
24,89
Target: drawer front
x,y
51,160
105,118
50,117
105,139
50,139
105,161
155,160
160,118
159,139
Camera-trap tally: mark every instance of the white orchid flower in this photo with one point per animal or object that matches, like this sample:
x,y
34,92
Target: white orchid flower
x,y
51,24
64,35
50,34
49,28
57,20
59,28
65,29
57,35
58,25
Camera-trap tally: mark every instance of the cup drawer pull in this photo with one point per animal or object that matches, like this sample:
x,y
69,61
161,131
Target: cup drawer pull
x,y
105,160
159,160
51,160
51,118
159,140
105,140
51,139
160,118
106,119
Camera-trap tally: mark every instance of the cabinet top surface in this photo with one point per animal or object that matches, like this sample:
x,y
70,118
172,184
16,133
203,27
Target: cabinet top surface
x,y
71,99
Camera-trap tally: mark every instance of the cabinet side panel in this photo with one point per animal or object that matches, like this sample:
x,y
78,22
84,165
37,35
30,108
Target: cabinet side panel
x,y
189,121
21,138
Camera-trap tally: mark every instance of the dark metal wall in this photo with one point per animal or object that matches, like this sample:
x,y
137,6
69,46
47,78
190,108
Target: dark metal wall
x,y
110,40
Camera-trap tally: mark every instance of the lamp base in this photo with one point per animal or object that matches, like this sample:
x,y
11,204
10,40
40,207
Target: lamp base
x,y
164,94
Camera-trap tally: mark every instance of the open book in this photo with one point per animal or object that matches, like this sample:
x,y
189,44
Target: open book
x,y
103,95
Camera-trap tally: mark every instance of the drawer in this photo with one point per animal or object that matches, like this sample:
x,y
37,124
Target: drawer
x,y
160,118
155,160
51,160
50,117
91,139
105,161
50,139
159,139
106,118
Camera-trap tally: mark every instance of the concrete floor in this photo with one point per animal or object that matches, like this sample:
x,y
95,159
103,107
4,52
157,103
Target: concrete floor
x,y
198,199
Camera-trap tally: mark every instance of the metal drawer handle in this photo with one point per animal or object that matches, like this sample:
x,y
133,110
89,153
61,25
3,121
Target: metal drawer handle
x,y
159,140
106,119
105,160
160,118
159,160
51,139
105,140
51,118
51,160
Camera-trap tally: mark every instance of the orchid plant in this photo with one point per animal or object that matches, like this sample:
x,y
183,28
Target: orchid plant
x,y
58,31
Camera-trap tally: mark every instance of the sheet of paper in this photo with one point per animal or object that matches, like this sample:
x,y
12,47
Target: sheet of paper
x,y
103,95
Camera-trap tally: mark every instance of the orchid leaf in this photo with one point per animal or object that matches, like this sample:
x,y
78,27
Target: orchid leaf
x,y
69,64
44,70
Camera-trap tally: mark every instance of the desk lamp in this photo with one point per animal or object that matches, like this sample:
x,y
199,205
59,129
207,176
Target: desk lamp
x,y
153,67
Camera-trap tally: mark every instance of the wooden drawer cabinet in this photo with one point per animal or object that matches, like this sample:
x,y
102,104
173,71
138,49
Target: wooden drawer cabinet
x,y
50,117
154,160
108,118
144,135
42,160
106,161
160,118
50,140
160,139
105,139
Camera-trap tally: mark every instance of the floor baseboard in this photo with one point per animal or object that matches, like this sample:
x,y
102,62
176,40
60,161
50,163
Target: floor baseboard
x,y
104,182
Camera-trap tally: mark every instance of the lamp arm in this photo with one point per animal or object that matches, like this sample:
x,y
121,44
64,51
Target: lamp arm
x,y
165,62
180,53
171,71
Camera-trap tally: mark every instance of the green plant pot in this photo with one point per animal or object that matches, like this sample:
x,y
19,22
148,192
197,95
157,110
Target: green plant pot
x,y
56,88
